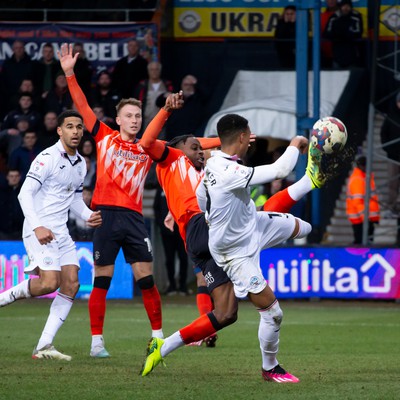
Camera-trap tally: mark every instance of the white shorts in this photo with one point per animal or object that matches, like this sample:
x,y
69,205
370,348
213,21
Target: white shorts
x,y
52,256
274,228
246,275
245,272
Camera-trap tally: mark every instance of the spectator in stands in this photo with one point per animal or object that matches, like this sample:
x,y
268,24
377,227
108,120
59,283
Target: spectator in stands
x,y
11,214
355,205
190,119
48,134
173,245
390,136
285,38
46,69
149,90
129,70
90,178
58,99
87,147
21,158
14,70
26,109
344,29
326,45
105,95
100,115
83,69
27,86
11,138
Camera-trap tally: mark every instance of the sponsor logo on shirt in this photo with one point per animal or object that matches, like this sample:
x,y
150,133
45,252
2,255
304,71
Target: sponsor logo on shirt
x,y
130,155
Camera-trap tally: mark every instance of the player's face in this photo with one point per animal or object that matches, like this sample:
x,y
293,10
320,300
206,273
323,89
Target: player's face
x,y
130,120
193,152
71,132
244,143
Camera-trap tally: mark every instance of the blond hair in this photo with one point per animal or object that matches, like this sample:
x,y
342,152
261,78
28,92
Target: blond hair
x,y
124,102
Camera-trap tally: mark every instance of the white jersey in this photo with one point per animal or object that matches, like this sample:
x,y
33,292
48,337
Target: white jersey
x,y
230,212
52,187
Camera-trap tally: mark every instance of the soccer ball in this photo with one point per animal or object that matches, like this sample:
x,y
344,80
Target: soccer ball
x,y
329,135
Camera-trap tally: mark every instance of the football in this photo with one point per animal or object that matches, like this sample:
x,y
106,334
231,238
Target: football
x,y
329,135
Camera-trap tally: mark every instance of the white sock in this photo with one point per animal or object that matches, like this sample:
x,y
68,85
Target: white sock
x,y
17,292
171,343
268,334
59,310
157,333
300,188
97,341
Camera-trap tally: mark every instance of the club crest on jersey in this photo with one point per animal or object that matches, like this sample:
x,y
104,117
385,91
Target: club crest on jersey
x,y
255,282
47,261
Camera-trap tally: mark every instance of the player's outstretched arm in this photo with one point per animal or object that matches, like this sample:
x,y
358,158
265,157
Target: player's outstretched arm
x,y
153,147
282,167
68,61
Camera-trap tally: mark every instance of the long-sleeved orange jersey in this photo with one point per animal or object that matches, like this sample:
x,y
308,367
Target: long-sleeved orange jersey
x,y
355,198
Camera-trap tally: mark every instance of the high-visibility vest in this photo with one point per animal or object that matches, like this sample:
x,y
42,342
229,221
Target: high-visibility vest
x,y
355,198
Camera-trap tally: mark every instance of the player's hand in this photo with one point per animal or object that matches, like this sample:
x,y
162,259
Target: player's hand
x,y
95,220
44,235
169,222
253,137
67,60
301,143
174,101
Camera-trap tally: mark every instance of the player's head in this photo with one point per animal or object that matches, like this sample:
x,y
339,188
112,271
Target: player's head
x,y
70,130
361,162
191,147
233,131
129,116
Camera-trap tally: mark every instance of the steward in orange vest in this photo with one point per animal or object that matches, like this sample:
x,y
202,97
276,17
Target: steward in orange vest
x,y
355,201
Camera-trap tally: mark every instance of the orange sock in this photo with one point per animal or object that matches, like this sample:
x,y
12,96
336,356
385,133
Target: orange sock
x,y
280,202
152,304
198,329
203,300
97,310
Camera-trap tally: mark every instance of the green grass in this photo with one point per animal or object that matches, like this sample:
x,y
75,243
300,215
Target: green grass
x,y
339,350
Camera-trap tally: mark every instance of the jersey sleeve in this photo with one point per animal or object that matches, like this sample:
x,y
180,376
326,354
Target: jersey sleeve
x,y
209,143
40,169
82,105
235,176
149,142
201,195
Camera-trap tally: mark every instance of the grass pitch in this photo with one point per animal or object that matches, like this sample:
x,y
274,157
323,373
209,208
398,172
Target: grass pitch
x,y
339,350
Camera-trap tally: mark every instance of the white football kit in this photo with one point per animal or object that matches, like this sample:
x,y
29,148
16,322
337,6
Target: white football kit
x,y
237,232
52,187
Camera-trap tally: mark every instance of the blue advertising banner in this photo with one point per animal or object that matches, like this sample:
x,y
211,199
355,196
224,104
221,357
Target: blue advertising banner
x,y
104,44
343,273
13,259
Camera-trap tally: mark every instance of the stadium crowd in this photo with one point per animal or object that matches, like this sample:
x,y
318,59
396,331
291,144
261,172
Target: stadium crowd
x,y
34,92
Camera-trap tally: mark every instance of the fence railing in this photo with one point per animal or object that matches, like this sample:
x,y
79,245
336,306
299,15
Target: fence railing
x,y
80,14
